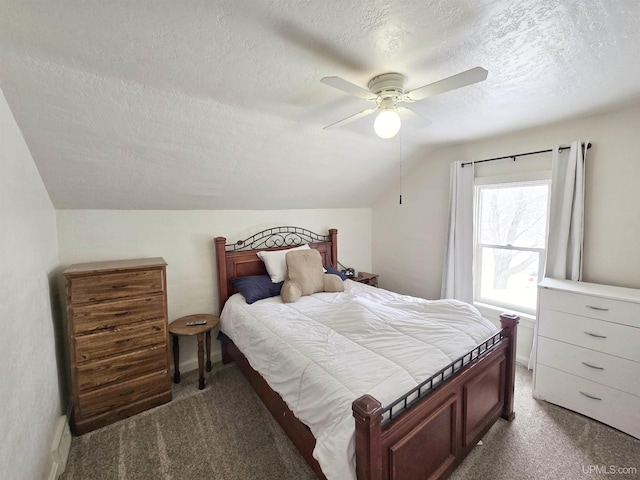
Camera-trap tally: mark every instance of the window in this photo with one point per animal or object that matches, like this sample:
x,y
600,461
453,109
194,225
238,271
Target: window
x,y
511,229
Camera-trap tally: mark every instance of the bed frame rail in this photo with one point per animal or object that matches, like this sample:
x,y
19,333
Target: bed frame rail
x,y
409,399
277,237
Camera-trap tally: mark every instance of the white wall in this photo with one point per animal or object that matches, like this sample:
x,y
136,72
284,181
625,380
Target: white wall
x,y
30,396
185,240
409,239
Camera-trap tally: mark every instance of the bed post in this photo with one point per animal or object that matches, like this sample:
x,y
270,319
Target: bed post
x,y
333,233
368,414
223,292
509,323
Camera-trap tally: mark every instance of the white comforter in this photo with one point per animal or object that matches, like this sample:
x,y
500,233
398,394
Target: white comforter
x,y
326,350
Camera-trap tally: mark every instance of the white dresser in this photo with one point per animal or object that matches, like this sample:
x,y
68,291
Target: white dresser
x,y
588,351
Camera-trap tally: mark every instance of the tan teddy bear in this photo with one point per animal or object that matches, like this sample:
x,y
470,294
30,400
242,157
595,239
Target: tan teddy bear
x,y
305,276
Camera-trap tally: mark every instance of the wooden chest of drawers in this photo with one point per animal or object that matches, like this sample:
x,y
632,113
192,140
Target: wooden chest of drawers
x,y
588,351
118,340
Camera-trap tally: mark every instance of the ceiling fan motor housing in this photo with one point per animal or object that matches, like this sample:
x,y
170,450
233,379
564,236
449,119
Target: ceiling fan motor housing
x,y
387,85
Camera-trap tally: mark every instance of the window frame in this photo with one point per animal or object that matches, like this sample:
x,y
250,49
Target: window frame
x,y
529,178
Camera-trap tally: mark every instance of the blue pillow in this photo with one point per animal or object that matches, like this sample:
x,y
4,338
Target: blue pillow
x,y
333,271
256,287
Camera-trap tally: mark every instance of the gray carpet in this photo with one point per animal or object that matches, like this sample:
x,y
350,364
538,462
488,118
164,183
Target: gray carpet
x,y
549,442
224,432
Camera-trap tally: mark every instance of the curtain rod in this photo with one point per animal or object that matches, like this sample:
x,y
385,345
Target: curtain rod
x,y
518,155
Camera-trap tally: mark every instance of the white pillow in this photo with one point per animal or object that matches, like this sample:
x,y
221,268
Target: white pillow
x,y
276,262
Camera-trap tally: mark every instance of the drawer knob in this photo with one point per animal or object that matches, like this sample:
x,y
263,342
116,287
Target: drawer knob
x,y
590,396
120,285
595,335
600,309
592,366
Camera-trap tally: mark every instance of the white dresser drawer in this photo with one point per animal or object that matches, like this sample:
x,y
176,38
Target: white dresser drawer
x,y
613,407
608,309
599,367
619,340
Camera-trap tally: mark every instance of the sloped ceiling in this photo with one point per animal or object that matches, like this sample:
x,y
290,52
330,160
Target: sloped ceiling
x,y
218,104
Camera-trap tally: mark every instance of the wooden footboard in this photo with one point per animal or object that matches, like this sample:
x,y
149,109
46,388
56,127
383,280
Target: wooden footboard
x,y
434,435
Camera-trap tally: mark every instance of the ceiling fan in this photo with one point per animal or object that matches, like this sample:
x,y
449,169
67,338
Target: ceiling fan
x,y
387,91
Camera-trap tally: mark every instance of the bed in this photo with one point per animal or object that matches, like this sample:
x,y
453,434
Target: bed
x,y
425,432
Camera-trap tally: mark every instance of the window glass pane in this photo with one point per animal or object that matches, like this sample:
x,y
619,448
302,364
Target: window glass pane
x,y
508,277
513,214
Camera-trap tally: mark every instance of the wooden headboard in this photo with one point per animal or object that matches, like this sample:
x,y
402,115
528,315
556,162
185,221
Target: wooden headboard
x,y
239,259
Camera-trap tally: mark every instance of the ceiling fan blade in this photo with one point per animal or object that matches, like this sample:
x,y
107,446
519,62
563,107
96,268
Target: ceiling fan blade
x,y
417,120
348,87
351,118
462,79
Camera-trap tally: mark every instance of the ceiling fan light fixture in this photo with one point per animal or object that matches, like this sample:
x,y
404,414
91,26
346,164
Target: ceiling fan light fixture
x,y
387,123
387,90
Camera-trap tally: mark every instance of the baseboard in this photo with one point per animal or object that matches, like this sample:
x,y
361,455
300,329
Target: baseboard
x,y
192,363
522,360
60,448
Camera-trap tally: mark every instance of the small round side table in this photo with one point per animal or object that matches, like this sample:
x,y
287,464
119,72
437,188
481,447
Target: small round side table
x,y
179,327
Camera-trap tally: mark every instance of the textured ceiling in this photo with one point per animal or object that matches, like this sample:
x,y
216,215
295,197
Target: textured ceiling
x,y
219,105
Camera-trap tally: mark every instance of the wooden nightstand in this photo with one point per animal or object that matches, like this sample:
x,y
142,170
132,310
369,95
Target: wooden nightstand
x,y
367,278
179,327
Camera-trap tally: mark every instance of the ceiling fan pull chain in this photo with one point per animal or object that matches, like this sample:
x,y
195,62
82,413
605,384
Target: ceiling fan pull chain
x,y
400,140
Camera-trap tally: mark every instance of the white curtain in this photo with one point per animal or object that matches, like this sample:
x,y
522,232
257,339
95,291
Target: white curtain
x,y
566,219
457,275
